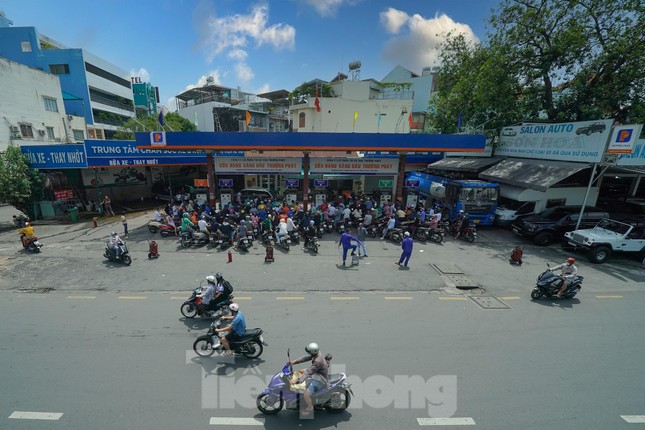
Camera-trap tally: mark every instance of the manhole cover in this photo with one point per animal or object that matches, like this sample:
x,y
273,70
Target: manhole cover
x,y
448,268
487,302
461,281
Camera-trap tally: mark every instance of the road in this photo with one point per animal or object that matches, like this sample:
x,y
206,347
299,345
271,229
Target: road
x,y
105,345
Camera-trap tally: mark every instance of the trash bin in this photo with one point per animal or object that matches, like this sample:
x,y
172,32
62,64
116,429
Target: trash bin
x,y
73,214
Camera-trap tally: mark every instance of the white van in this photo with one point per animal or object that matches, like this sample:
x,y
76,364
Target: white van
x,y
509,210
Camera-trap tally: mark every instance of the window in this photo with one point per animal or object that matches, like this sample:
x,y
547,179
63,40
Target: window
x,y
50,104
50,133
26,130
25,46
59,69
79,136
301,120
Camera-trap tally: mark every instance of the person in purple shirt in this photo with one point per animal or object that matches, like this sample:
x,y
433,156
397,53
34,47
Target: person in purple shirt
x,y
406,245
346,240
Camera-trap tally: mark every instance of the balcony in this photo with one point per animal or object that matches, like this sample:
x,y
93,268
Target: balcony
x,y
111,102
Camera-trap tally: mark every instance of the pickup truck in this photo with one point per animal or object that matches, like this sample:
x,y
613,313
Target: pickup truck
x,y
606,237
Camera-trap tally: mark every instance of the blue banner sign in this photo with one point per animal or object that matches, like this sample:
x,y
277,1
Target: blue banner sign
x,y
412,183
226,183
321,183
116,153
292,183
67,156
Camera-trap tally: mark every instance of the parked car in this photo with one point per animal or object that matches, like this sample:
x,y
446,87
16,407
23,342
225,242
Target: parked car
x,y
161,191
263,193
606,237
594,127
552,223
510,210
509,131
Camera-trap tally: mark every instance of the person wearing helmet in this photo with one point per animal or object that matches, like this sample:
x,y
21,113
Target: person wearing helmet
x,y
207,294
316,376
463,221
569,271
281,231
186,223
406,245
236,328
27,234
114,243
310,232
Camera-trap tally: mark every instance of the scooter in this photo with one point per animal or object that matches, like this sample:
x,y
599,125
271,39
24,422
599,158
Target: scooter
x,y
279,393
189,308
313,244
284,242
224,242
32,244
294,236
124,256
245,243
250,345
469,234
191,237
548,284
426,233
328,226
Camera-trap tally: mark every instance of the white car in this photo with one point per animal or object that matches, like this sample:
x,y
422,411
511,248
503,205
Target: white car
x,y
606,237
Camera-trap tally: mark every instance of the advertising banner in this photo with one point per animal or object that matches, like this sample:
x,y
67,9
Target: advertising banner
x,y
623,139
62,156
573,141
115,153
104,176
636,158
257,165
358,166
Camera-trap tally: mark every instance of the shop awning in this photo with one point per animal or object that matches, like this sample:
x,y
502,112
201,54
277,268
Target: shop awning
x,y
464,164
537,175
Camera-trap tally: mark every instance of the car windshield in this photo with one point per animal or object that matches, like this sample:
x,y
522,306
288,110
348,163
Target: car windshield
x,y
554,214
615,226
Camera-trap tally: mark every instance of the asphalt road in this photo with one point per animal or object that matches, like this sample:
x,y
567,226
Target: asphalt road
x,y
106,346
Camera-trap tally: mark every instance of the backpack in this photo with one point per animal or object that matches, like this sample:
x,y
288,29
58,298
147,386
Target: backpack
x,y
228,288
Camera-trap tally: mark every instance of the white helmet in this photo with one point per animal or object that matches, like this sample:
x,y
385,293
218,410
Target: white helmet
x,y
234,307
210,279
312,348
114,234
406,234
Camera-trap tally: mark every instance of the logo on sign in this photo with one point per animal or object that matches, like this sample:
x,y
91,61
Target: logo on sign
x,y
624,135
158,138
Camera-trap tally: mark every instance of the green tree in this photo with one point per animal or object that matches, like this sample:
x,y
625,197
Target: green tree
x,y
172,120
19,185
309,89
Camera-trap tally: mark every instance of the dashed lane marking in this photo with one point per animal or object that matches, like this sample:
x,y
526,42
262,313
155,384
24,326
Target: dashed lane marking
x,y
634,419
243,298
177,298
452,298
344,298
609,297
224,421
132,297
23,415
467,421
398,298
290,298
509,298
81,297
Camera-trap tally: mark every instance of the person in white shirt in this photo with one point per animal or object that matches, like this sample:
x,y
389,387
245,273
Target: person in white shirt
x,y
368,219
203,226
281,230
158,216
390,225
290,225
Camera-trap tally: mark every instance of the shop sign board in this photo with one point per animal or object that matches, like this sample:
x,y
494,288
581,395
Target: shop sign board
x,y
67,156
103,176
257,165
412,183
358,166
570,141
636,158
116,153
623,138
225,183
292,183
322,183
200,183
385,183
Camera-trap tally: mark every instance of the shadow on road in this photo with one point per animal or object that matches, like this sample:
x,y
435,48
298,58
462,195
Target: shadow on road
x,y
319,419
556,303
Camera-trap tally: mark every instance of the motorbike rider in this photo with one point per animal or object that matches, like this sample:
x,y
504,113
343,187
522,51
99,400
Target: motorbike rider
x,y
569,272
241,233
27,234
316,376
390,225
290,226
310,232
223,290
203,225
281,230
114,243
227,230
207,294
464,222
236,328
186,223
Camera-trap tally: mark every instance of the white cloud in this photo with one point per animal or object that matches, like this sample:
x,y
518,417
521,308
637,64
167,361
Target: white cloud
x,y
418,44
203,80
265,88
238,54
328,8
141,73
171,104
234,32
243,72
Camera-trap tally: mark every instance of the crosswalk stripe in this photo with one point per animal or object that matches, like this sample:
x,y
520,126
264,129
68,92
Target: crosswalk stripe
x,y
467,421
224,421
634,419
23,415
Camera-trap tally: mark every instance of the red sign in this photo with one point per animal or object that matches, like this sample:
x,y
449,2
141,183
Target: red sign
x,y
200,182
63,195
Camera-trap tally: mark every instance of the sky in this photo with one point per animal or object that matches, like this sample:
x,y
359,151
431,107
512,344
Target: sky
x,y
259,46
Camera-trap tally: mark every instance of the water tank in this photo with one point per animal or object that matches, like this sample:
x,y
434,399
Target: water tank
x,y
354,65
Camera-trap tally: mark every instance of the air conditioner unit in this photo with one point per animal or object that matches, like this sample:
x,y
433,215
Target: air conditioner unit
x,y
41,132
14,129
70,117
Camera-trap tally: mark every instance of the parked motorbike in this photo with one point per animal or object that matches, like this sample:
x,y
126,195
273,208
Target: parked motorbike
x,y
334,398
395,235
250,345
327,226
32,244
191,237
189,308
548,284
426,233
124,256
313,244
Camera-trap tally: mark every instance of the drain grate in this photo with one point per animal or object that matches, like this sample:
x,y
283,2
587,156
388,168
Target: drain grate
x,y
461,281
488,302
448,268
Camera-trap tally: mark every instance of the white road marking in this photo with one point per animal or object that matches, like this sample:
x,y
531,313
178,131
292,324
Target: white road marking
x,y
224,421
132,297
290,298
399,298
82,297
467,421
609,297
452,298
634,419
22,415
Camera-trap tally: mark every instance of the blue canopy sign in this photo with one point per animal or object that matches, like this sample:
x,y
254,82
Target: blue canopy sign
x,y
70,156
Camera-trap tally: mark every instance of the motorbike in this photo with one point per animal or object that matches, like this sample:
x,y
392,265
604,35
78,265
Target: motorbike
x,y
469,234
164,229
124,257
313,244
224,242
395,235
548,284
426,233
294,236
284,242
334,398
327,226
245,243
189,308
191,237
32,244
250,345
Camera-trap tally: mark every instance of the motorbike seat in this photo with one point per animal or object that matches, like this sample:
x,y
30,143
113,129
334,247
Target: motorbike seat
x,y
250,334
334,378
